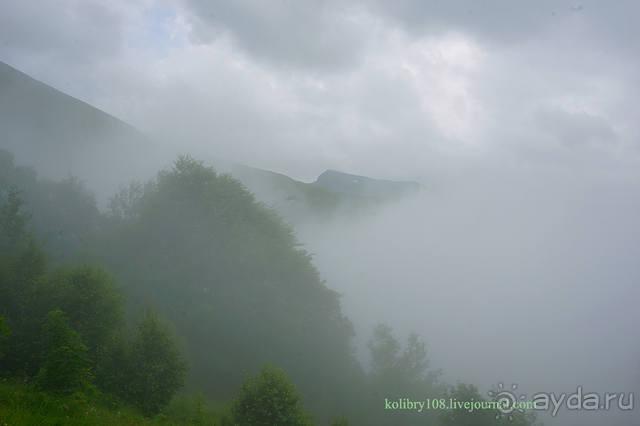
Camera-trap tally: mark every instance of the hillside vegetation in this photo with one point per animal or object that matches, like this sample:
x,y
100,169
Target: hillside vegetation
x,y
186,280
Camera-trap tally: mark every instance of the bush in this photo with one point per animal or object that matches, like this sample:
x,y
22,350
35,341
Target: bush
x,y
197,410
112,373
268,398
92,301
156,366
66,366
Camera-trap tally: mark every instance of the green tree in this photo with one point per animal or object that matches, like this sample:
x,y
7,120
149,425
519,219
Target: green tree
x,y
13,219
92,301
156,367
112,372
268,398
61,214
88,296
66,366
25,302
384,350
124,205
402,371
228,272
22,259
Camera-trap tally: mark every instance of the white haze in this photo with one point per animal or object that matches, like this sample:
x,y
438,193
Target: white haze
x,y
518,263
513,278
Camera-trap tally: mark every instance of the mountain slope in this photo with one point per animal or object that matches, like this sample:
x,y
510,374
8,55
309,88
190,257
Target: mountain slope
x,y
60,135
68,122
297,201
363,186
332,195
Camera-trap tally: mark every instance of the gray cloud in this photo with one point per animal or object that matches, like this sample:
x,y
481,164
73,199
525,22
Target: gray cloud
x,y
325,34
513,22
335,84
575,129
75,31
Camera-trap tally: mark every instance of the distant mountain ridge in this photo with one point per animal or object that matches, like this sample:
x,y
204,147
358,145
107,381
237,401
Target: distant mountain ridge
x,y
60,135
346,183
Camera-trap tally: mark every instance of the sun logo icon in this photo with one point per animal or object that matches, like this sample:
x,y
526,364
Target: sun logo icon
x,y
508,402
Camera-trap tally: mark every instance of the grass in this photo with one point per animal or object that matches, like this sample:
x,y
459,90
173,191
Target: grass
x,y
20,404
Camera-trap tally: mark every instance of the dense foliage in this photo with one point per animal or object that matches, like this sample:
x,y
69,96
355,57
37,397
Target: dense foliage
x,y
21,404
230,275
268,398
65,368
63,319
155,365
235,290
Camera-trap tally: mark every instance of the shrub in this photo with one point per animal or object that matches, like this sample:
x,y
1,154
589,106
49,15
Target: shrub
x,y
66,366
268,398
156,366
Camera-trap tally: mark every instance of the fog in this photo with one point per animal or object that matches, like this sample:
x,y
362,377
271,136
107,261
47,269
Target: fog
x,y
518,261
511,278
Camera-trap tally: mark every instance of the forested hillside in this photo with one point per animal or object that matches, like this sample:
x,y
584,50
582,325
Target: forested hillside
x,y
185,280
229,275
319,213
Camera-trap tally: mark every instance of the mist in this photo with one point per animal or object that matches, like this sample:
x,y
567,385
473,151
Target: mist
x,y
516,262
525,278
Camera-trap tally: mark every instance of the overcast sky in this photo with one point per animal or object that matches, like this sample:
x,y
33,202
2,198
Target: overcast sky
x,y
409,89
522,119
